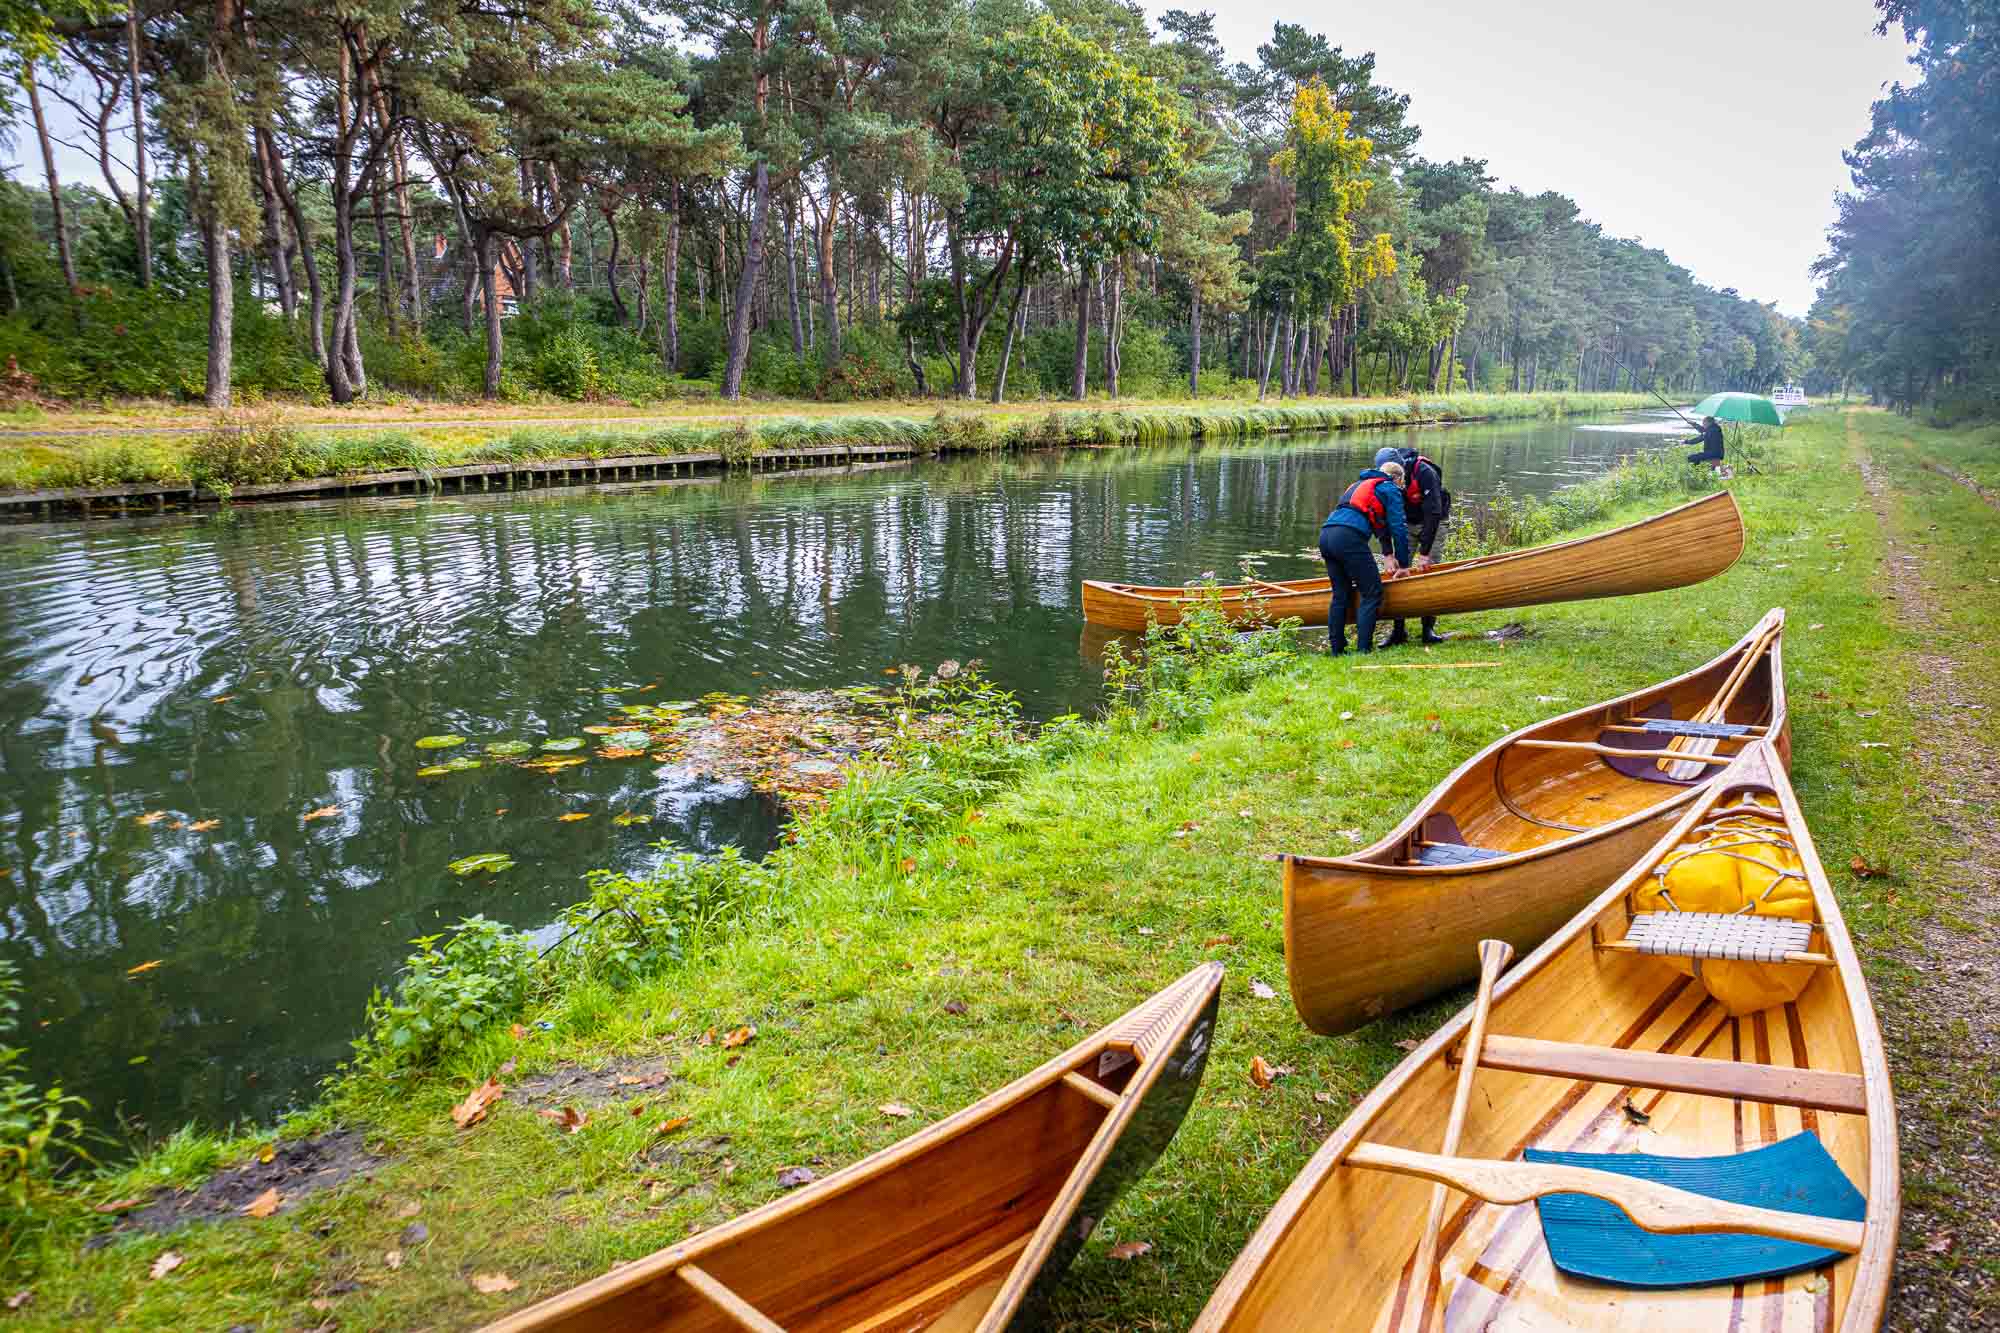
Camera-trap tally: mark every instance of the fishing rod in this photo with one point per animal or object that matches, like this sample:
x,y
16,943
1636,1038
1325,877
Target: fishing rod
x,y
1656,393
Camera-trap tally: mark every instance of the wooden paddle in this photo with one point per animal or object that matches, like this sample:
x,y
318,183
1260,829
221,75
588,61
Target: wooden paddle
x,y
1494,955
1716,709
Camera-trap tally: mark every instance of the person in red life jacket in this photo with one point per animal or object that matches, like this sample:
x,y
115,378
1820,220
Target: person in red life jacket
x,y
1371,507
1426,505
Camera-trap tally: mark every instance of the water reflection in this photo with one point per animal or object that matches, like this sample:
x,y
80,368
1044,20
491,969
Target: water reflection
x,y
257,666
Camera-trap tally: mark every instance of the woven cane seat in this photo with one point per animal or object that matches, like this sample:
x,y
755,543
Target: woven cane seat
x,y
1735,936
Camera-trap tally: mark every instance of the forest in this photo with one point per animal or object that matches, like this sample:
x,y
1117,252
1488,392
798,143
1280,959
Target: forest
x,y
1910,304
834,199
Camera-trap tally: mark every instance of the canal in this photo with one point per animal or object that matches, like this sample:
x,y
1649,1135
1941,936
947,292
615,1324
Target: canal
x,y
214,841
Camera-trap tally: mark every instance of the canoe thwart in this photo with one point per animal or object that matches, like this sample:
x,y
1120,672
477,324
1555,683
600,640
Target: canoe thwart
x,y
1097,1092
1655,1207
741,1313
1779,1085
1735,936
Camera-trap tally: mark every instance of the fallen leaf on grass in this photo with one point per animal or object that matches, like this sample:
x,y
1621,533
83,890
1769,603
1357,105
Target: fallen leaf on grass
x,y
669,1126
324,812
740,1037
146,966
119,1206
473,1109
569,1119
167,1263
1129,1249
1817,624
794,1176
1351,834
896,1109
517,1031
909,865
1347,745
1862,870
264,1204
1874,745
393,1260
1217,941
320,1303
1261,1073
20,1298
1323,1098
410,1209
954,1006
150,818
493,1284
270,1150
1262,991
1407,1044
1939,1243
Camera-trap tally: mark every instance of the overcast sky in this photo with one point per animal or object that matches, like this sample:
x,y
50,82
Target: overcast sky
x,y
1712,130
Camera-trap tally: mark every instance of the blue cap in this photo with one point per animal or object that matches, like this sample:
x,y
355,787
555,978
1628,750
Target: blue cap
x,y
1388,454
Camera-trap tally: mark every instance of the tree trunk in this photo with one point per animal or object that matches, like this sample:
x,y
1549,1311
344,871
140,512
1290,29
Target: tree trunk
x,y
1015,318
489,289
1114,291
143,222
1194,343
829,296
670,286
746,286
221,306
55,184
385,285
792,278
1270,341
1079,369
1450,362
611,267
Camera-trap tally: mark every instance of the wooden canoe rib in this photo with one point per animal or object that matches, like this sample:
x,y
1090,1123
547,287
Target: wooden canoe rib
x,y
1684,545
1577,1032
963,1226
1511,844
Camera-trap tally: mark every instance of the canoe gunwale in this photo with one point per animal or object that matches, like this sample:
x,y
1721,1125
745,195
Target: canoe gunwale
x,y
1195,989
1873,1263
1393,841
1146,602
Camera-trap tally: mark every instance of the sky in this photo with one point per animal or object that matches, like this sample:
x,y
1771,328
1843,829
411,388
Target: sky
x,y
1707,129
1713,131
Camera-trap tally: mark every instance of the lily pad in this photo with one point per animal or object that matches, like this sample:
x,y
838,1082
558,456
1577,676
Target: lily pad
x,y
564,743
551,763
439,742
630,817
508,747
491,863
640,710
629,738
459,765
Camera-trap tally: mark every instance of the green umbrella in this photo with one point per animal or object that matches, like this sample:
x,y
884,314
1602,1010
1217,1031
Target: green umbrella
x,y
1748,407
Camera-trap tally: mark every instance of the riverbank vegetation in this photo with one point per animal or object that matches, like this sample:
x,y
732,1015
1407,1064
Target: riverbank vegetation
x,y
247,446
578,201
960,910
1911,301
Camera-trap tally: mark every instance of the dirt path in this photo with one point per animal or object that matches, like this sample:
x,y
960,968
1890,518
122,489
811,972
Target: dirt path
x,y
1943,1029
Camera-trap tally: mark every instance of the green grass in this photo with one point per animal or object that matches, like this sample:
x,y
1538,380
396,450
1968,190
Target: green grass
x,y
1065,901
143,456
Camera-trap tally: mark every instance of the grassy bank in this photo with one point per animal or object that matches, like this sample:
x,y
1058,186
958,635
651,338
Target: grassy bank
x,y
942,926
288,444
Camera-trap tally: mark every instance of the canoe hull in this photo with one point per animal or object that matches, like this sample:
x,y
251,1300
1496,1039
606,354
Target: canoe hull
x,y
1684,545
1576,1035
1341,913
964,1226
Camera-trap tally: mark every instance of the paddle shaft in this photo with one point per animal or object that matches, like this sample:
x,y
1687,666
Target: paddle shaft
x,y
1494,955
1717,708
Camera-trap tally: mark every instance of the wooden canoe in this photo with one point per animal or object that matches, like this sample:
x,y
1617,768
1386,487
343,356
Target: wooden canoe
x,y
1578,1031
1687,544
1535,828
963,1226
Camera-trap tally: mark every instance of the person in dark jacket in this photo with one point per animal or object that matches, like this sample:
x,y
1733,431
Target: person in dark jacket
x,y
1710,441
1371,507
1426,505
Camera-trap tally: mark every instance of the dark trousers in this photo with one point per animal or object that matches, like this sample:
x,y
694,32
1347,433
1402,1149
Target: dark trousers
x,y
1706,457
1350,567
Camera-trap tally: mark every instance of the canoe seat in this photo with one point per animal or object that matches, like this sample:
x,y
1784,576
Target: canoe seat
x,y
1453,854
1735,936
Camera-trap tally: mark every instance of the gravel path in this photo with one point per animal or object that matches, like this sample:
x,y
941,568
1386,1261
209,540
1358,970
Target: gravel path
x,y
1943,1031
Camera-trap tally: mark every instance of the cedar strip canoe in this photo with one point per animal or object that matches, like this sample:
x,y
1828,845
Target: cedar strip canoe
x,y
1576,1032
1513,843
1684,545
966,1225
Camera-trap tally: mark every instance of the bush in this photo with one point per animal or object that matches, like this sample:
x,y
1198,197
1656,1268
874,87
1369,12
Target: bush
x,y
566,366
244,446
632,926
40,1130
448,994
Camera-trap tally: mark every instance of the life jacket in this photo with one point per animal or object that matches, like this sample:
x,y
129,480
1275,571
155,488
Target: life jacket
x,y
1363,498
1413,494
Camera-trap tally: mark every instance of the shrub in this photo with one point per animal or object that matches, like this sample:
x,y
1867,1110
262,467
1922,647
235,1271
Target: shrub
x,y
244,446
448,993
41,1130
566,366
632,926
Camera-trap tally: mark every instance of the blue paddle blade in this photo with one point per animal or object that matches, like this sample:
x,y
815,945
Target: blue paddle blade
x,y
1590,1238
